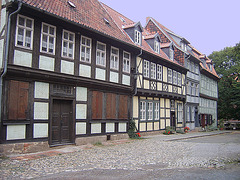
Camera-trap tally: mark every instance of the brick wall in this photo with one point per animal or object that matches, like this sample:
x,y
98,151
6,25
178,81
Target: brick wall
x,y
152,28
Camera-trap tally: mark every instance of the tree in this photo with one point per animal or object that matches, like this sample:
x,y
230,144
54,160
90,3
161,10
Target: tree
x,y
227,66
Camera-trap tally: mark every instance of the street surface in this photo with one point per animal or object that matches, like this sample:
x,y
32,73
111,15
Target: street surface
x,y
156,157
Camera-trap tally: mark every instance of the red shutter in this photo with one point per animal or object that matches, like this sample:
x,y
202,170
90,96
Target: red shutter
x,y
123,107
111,106
18,100
97,103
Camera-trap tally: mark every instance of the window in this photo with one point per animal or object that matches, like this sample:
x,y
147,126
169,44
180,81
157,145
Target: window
x,y
114,58
101,54
156,112
126,62
197,90
150,111
142,110
24,30
159,72
188,88
48,37
153,70
196,69
179,79
192,67
157,47
137,37
146,68
193,89
172,105
169,76
180,112
68,40
170,54
175,78
85,52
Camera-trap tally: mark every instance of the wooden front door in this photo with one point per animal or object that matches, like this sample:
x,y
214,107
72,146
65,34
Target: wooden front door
x,y
203,120
62,122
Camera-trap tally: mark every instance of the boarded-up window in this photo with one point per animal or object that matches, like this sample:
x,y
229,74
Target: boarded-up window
x,y
97,104
111,106
123,107
18,100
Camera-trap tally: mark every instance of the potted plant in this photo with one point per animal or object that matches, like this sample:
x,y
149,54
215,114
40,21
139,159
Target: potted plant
x,y
186,129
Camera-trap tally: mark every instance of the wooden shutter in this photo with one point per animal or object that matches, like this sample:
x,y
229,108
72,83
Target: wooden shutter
x,y
97,104
18,100
111,106
123,107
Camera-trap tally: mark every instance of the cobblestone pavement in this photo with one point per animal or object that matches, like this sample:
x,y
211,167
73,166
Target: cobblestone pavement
x,y
128,155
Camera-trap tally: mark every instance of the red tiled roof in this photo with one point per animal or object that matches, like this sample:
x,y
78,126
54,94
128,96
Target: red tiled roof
x,y
116,16
88,13
164,45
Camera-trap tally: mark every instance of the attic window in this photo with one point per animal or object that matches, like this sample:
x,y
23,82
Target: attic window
x,y
106,21
122,19
71,4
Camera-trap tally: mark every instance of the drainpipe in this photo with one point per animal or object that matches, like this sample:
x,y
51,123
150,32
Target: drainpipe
x,y
5,57
135,79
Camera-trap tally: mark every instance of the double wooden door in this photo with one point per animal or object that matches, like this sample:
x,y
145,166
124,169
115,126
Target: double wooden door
x,y
62,122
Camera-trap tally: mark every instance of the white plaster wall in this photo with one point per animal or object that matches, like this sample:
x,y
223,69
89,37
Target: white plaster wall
x,y
95,128
84,70
16,132
41,90
67,67
1,52
40,130
135,106
81,94
126,80
40,110
81,128
142,126
110,127
100,74
122,127
81,111
46,63
113,77
22,58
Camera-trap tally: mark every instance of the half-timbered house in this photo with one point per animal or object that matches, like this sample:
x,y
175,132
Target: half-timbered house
x,y
66,72
160,92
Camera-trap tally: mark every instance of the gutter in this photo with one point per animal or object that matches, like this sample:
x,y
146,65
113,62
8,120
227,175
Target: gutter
x,y
6,52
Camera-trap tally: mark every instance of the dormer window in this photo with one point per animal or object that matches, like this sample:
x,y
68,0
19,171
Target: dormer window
x,y
171,55
137,38
157,47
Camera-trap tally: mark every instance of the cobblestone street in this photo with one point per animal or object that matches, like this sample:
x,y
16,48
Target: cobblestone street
x,y
159,152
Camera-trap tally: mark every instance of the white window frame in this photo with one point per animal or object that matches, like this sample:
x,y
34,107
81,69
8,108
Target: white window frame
x,y
156,111
146,68
114,59
101,60
156,46
153,70
150,111
175,77
171,54
48,35
69,42
179,79
159,72
24,39
137,37
126,62
85,46
180,113
143,110
169,75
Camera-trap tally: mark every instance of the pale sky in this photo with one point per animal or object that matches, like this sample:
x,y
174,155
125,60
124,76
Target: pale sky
x,y
209,25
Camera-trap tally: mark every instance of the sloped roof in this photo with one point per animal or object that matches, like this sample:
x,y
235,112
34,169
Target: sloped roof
x,y
87,13
118,19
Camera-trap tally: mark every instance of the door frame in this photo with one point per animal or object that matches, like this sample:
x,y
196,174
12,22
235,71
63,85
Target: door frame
x,y
173,121
72,127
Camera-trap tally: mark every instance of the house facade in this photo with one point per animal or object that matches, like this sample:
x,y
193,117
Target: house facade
x,y
160,92
65,78
76,70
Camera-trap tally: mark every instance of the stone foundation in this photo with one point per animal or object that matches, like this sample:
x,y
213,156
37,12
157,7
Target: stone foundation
x,y
32,147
